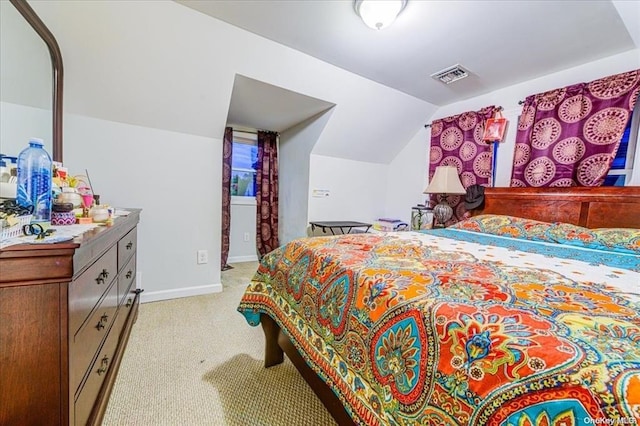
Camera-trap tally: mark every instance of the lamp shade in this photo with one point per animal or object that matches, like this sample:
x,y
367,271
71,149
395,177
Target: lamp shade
x,y
378,14
445,181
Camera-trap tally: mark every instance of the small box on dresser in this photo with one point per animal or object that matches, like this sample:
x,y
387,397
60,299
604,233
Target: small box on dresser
x,y
66,312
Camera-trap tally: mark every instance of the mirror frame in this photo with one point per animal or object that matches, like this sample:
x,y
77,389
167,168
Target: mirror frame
x,y
56,65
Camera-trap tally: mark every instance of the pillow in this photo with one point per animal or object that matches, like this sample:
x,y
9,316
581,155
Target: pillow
x,y
508,226
623,240
574,235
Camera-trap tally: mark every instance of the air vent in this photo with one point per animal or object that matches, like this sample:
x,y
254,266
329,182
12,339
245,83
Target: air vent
x,y
451,74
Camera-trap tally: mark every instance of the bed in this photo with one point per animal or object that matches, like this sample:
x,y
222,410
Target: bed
x,y
524,314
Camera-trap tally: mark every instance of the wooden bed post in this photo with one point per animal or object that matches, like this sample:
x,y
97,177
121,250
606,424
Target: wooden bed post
x,y
276,345
273,354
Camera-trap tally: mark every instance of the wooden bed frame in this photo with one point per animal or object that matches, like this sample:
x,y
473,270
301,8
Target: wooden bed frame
x,y
602,207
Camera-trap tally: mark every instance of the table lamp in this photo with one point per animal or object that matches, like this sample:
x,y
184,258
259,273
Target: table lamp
x,y
445,181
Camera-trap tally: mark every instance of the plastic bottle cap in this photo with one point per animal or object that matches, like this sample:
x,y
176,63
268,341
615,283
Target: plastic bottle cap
x,y
36,141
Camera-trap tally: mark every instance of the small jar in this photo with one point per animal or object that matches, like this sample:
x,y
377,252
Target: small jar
x,y
69,195
100,213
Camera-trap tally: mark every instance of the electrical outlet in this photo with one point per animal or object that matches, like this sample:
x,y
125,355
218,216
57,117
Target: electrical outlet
x,y
246,236
203,257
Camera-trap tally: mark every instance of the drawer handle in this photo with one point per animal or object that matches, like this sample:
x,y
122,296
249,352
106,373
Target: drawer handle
x,y
104,364
129,274
102,276
103,320
129,302
129,245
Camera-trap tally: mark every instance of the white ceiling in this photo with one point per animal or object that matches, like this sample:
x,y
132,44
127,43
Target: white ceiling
x,y
501,43
260,105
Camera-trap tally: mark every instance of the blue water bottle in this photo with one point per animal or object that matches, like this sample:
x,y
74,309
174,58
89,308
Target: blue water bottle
x,y
34,180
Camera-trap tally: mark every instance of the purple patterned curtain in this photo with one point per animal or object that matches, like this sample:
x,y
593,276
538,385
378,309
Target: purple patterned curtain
x,y
457,141
227,150
570,136
267,193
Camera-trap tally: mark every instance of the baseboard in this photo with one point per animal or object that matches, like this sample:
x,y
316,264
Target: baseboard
x,y
155,296
240,259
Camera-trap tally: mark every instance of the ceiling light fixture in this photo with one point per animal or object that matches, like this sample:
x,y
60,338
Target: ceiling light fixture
x,y
379,14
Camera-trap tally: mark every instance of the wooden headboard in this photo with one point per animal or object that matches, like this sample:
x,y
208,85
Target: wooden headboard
x,y
597,207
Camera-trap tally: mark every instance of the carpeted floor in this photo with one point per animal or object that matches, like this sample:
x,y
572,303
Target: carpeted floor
x,y
195,361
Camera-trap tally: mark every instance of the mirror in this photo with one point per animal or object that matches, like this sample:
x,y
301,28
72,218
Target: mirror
x,y
30,81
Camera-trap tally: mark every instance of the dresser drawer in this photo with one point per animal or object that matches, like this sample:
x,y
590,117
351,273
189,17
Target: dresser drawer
x,y
126,277
126,247
88,339
124,311
88,288
86,400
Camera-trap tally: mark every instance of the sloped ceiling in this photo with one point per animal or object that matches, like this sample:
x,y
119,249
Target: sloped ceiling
x,y
501,43
259,105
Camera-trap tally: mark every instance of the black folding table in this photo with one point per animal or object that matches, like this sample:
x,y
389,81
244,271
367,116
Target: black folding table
x,y
341,225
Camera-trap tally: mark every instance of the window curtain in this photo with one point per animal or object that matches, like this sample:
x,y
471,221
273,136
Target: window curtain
x,y
457,141
267,193
570,136
227,150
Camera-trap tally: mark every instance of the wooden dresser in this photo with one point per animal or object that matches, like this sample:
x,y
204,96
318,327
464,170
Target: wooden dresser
x,y
66,311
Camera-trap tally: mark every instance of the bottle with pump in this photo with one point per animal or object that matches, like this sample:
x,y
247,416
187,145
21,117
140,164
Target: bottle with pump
x,y
34,180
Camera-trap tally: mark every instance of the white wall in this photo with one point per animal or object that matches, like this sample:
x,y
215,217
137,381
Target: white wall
x,y
243,221
412,162
356,189
294,157
158,76
408,177
138,167
175,68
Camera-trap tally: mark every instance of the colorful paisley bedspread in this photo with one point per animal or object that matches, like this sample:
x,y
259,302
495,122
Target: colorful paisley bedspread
x,y
438,329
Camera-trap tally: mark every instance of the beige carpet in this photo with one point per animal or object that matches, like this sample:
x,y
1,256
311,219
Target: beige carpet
x,y
196,361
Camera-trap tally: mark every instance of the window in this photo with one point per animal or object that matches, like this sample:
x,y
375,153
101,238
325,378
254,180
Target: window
x,y
622,166
243,164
